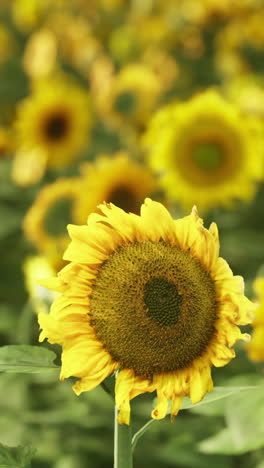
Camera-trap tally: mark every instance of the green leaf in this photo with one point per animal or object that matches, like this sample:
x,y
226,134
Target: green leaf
x,y
217,406
140,433
245,419
221,443
217,394
28,359
261,465
245,425
15,457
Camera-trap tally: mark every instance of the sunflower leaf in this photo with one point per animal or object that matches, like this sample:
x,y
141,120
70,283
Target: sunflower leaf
x,y
26,359
221,443
217,394
245,425
16,457
245,419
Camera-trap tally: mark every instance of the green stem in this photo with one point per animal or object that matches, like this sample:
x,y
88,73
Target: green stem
x,y
140,433
123,447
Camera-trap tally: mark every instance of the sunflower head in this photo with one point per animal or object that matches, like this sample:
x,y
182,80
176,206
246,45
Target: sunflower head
x,y
113,178
44,223
149,296
130,96
206,151
54,121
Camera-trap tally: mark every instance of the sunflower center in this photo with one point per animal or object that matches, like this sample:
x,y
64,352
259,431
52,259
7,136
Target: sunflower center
x,y
125,103
56,126
124,198
208,156
162,301
154,307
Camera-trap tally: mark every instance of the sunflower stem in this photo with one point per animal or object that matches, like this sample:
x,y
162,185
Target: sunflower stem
x,y
122,445
140,433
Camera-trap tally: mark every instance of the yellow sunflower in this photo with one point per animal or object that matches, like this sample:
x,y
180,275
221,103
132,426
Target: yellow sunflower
x,y
149,297
27,15
129,97
247,92
36,267
52,125
206,151
113,178
40,54
44,223
163,64
256,346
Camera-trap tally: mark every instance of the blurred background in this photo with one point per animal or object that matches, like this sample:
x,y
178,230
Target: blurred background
x,y
117,100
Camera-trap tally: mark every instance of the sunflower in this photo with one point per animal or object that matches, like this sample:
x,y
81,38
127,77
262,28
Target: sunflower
x,y
248,94
149,297
35,267
44,223
163,64
52,124
40,54
113,178
71,199
129,97
206,151
256,346
27,15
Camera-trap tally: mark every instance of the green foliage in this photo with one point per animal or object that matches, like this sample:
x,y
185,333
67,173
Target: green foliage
x,y
15,457
23,358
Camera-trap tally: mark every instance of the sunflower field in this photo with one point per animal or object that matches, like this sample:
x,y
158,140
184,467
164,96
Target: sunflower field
x,y
132,233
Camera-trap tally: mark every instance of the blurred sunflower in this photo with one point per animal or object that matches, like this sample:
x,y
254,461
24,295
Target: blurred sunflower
x,y
240,43
38,267
247,92
123,43
163,64
52,125
129,97
113,178
27,15
206,151
204,12
45,221
77,44
152,299
40,54
256,347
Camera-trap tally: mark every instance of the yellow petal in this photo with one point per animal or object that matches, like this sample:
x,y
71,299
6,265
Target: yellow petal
x,y
158,223
161,408
88,383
